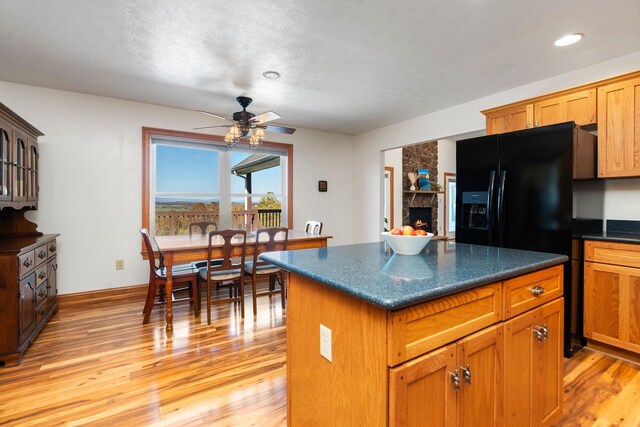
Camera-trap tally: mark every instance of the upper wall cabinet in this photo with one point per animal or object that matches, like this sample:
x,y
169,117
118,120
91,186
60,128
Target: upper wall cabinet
x,y
19,161
578,106
619,129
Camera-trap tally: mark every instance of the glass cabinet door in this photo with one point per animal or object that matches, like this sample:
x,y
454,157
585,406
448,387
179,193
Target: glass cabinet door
x,y
5,165
20,169
34,159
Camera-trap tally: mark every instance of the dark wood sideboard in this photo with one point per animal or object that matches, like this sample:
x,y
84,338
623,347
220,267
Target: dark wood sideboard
x,y
28,258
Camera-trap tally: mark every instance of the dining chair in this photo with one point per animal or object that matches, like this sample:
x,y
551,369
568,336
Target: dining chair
x,y
202,227
183,274
313,227
266,242
228,269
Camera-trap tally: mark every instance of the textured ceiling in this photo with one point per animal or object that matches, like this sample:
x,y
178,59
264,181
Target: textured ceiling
x,y
347,66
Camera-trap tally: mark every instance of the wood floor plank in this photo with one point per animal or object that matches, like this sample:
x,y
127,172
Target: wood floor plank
x,y
96,364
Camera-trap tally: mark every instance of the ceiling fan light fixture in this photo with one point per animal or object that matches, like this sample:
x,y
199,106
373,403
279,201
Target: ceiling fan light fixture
x,y
271,75
568,39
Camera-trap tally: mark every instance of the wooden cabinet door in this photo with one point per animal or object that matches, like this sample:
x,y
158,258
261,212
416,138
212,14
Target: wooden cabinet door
x,y
20,167
519,370
27,306
510,119
612,305
33,172
549,362
52,269
480,370
421,391
619,129
579,107
5,161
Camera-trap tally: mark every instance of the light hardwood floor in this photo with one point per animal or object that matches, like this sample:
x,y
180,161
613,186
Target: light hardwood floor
x,y
96,364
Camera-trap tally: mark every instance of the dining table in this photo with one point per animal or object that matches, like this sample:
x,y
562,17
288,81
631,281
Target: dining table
x,y
180,249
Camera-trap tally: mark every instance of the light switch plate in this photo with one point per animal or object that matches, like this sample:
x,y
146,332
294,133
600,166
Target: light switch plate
x,y
325,342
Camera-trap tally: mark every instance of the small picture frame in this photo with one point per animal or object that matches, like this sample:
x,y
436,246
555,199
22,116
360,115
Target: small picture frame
x,y
322,186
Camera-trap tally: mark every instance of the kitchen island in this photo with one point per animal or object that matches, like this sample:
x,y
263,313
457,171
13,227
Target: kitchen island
x,y
457,335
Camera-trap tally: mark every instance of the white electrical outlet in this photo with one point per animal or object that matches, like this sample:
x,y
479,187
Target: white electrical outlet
x,y
325,342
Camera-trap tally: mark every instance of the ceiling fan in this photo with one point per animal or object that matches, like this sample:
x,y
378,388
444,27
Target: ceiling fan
x,y
247,126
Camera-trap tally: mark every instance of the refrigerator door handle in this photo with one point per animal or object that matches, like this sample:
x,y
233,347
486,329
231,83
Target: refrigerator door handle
x,y
492,180
501,219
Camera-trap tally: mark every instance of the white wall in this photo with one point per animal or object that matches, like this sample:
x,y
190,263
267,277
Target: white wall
x,y
446,163
91,179
466,118
393,158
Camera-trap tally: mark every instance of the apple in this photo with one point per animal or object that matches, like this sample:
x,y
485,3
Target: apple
x,y
396,232
415,233
407,230
421,233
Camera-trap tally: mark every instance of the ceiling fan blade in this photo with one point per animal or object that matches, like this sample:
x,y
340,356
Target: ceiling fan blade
x,y
267,116
215,115
209,127
279,129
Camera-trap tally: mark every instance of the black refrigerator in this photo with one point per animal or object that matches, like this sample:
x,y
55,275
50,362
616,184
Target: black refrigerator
x,y
515,190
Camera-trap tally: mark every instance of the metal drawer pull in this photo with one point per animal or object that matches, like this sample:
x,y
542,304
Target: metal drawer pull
x,y
466,373
42,275
42,293
537,291
41,311
455,379
542,333
42,255
28,262
52,248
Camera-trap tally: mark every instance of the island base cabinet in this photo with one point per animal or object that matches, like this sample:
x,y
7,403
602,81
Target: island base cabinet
x,y
456,385
533,366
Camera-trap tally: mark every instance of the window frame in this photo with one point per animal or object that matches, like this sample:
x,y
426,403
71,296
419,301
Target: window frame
x,y
148,133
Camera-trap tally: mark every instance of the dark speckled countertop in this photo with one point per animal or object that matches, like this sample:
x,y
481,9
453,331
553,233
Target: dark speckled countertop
x,y
375,274
622,231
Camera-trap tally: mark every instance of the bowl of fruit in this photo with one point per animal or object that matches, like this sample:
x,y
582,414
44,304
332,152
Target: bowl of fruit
x,y
406,240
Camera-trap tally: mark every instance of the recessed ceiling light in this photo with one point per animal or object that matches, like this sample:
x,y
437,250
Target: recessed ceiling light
x,y
569,39
271,75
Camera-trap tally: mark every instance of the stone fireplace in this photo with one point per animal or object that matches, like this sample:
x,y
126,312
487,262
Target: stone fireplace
x,y
421,219
414,157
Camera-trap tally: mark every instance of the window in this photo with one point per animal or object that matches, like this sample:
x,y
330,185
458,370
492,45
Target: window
x,y
192,177
450,204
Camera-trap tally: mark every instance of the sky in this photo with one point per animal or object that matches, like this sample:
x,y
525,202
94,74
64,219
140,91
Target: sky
x,y
182,169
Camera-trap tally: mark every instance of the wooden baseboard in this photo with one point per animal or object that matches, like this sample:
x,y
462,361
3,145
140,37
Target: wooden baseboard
x,y
616,352
128,291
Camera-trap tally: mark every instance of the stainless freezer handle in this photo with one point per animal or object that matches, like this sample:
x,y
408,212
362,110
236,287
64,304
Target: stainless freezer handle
x,y
492,180
501,217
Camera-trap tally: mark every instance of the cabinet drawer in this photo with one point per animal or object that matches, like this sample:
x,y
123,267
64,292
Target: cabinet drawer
x,y
52,248
26,262
41,293
41,254
531,290
41,311
625,254
41,274
421,328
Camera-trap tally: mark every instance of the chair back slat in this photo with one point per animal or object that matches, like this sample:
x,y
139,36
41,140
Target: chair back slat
x,y
266,242
202,227
313,227
228,237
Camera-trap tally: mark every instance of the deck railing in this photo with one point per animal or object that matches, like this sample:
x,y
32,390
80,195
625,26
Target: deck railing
x,y
175,222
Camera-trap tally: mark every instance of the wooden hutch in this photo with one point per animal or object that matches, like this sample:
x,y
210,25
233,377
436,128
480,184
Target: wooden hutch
x,y
28,262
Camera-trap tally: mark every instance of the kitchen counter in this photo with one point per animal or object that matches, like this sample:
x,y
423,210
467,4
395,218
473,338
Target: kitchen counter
x,y
622,231
372,272
367,326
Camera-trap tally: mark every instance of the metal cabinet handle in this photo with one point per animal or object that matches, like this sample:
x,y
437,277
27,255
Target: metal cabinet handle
x,y
455,379
537,123
42,255
41,311
466,373
541,332
528,125
42,293
28,262
537,291
52,248
42,275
